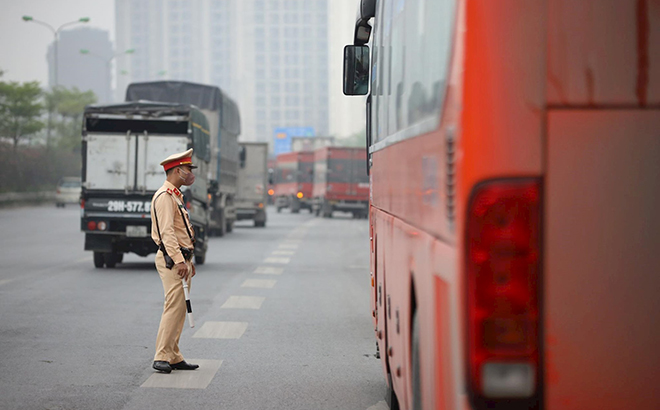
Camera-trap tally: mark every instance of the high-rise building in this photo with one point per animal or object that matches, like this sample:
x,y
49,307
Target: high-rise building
x,y
89,71
271,56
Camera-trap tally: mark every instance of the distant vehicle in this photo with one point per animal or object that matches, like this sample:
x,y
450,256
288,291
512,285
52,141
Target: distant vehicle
x,y
68,191
123,145
311,143
341,182
294,176
252,194
514,154
225,127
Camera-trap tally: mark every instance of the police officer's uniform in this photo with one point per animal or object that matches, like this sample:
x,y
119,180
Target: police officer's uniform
x,y
171,232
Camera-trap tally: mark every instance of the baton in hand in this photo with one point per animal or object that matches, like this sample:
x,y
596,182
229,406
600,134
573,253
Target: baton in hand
x,y
188,305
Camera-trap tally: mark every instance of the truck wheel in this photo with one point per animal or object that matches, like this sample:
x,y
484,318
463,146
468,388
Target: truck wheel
x,y
279,209
230,226
222,229
99,260
200,259
111,259
259,224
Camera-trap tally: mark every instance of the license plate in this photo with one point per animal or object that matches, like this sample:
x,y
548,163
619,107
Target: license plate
x,y
136,231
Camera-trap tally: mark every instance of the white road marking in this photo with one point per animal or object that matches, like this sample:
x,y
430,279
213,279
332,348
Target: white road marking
x,y
6,281
186,379
243,302
279,260
269,270
288,246
259,283
221,330
381,405
284,252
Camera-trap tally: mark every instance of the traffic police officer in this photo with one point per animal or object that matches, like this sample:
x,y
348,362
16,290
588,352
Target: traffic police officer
x,y
174,235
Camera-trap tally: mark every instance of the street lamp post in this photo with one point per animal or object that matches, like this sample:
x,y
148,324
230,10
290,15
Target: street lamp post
x,y
56,34
108,65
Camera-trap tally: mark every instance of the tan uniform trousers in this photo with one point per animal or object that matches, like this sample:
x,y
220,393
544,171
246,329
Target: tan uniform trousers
x,y
174,313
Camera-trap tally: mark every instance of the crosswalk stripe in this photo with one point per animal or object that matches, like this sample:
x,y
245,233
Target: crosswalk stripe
x,y
243,302
221,330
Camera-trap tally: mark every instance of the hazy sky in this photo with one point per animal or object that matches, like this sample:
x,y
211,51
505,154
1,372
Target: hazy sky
x,y
23,46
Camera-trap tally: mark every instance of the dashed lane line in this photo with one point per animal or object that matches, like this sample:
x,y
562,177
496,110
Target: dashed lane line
x,y
221,330
186,379
243,302
269,270
259,283
279,260
288,246
284,252
381,405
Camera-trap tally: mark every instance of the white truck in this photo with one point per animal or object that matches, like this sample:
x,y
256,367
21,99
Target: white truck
x,y
122,147
252,182
224,125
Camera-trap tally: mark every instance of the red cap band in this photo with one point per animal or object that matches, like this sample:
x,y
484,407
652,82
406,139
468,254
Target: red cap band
x,y
177,162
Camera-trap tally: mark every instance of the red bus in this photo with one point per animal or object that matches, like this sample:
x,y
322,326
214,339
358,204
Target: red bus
x,y
341,182
514,152
294,176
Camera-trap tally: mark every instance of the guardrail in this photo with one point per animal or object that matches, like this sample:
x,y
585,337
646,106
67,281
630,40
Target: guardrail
x,y
18,198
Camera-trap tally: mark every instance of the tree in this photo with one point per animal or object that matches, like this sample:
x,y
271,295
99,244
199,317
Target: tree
x,y
20,110
70,105
357,139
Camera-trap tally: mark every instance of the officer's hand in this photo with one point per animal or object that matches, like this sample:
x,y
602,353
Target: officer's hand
x,y
182,270
192,275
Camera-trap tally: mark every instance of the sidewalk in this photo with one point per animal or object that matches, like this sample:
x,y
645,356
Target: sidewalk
x,y
26,198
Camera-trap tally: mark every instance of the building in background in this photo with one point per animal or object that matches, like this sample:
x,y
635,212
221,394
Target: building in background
x,y
86,72
347,114
271,56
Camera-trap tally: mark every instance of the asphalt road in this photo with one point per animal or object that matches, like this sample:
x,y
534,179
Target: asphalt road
x,y
282,320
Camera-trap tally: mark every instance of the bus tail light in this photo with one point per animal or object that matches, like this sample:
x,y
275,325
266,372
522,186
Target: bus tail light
x,y
91,225
102,225
503,278
300,195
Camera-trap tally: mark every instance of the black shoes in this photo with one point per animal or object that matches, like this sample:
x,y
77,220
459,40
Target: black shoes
x,y
183,366
163,367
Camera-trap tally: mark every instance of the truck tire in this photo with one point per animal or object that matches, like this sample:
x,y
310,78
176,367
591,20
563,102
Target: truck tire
x,y
230,226
200,259
222,229
259,224
111,259
99,259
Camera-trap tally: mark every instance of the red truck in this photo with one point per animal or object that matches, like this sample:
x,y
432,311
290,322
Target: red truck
x,y
341,182
293,181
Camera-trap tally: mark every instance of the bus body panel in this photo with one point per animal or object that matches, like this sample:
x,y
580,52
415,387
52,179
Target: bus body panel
x,y
588,40
601,269
501,120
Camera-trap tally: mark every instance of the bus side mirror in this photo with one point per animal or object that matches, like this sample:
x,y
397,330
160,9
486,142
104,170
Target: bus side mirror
x,y
356,70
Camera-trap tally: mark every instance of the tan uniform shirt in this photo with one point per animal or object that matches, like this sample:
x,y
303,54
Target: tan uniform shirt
x,y
172,228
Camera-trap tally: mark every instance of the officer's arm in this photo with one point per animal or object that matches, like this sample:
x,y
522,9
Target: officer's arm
x,y
165,210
